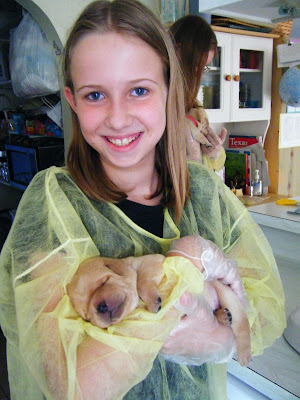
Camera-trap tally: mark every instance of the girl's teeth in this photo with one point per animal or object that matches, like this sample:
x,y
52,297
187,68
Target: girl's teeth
x,y
122,142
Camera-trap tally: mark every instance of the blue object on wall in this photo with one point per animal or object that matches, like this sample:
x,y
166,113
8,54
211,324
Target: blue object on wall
x,y
289,87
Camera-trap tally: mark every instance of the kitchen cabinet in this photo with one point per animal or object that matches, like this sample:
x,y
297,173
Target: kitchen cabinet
x,y
238,86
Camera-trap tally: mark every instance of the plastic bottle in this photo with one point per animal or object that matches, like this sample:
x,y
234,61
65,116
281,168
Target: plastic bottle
x,y
257,184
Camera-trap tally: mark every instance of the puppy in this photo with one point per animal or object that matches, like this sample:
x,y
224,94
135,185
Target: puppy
x,y
105,290
226,306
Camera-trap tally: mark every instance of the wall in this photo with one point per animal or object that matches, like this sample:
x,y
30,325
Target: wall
x,y
295,32
289,159
289,171
284,164
62,13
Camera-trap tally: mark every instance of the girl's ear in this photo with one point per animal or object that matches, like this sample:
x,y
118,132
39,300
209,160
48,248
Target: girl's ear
x,y
70,98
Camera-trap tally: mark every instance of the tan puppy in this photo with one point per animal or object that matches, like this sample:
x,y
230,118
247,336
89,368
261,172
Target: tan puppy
x,y
227,307
228,300
105,290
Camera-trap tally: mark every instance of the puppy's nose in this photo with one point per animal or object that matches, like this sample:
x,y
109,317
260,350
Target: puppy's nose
x,y
102,307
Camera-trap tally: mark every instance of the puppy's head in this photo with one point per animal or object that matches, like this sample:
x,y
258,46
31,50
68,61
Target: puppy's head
x,y
104,291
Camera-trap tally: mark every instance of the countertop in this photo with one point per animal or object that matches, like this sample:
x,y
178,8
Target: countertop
x,y
277,216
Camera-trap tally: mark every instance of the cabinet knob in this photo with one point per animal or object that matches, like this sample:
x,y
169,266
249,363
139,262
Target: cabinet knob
x,y
237,78
228,78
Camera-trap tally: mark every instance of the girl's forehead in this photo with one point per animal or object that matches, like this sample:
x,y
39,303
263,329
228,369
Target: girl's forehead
x,y
108,44
89,39
115,56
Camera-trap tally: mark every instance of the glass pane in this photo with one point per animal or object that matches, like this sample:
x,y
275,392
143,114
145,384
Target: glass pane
x,y
251,79
209,93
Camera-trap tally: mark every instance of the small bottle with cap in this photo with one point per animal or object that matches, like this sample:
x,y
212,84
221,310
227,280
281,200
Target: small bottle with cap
x,y
257,184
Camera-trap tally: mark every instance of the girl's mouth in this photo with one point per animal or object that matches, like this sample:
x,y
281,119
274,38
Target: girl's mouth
x,y
123,142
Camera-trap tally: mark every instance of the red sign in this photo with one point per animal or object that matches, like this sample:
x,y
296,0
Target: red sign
x,y
241,141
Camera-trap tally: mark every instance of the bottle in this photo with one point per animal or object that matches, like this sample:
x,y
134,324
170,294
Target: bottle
x,y
257,184
245,93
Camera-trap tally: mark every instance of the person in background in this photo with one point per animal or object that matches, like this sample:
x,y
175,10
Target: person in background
x,y
127,190
196,45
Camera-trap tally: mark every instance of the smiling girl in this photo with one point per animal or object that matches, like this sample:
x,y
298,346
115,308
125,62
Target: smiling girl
x,y
121,109
127,190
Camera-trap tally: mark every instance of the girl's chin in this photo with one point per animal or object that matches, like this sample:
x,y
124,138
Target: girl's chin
x,y
123,162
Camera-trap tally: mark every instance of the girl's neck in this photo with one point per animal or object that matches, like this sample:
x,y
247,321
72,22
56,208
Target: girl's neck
x,y
138,183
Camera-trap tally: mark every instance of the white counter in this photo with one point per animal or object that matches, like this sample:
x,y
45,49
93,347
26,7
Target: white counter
x,y
281,228
276,372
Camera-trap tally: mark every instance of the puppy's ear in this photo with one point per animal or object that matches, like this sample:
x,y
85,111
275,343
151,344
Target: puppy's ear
x,y
86,280
122,267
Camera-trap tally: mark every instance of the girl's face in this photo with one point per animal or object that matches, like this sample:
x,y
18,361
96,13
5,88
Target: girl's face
x,y
119,97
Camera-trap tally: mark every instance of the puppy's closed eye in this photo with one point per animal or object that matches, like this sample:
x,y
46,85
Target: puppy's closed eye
x,y
104,282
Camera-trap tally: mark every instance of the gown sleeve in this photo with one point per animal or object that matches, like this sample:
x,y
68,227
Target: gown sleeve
x,y
222,218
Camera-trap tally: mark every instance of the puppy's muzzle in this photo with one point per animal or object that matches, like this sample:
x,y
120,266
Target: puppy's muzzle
x,y
110,304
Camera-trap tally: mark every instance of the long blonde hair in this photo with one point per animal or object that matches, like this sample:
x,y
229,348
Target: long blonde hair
x,y
131,18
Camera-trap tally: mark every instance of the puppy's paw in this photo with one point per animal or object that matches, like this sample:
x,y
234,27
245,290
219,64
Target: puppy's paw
x,y
223,316
150,274
152,301
244,355
155,305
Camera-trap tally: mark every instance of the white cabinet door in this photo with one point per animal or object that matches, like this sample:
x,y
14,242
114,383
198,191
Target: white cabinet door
x,y
215,85
252,62
238,85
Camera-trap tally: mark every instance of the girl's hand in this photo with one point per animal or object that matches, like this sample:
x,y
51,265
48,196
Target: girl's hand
x,y
212,261
198,338
216,141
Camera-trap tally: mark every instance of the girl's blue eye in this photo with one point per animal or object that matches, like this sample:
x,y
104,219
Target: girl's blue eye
x,y
139,91
94,96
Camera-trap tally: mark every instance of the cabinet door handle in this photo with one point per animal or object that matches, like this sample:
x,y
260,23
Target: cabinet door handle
x,y
228,78
237,78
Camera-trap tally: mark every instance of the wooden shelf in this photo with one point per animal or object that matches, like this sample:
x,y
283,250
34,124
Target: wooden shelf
x,y
251,70
242,32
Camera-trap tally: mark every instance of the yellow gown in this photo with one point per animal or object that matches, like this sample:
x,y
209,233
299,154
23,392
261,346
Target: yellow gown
x,y
57,226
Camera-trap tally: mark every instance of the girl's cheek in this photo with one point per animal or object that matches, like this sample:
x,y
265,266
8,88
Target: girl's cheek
x,y
153,110
89,115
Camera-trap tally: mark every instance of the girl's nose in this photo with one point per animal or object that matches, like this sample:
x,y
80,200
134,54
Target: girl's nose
x,y
118,115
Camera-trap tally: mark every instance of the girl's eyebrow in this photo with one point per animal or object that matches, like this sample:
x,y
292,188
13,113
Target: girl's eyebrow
x,y
89,86
132,82
135,81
